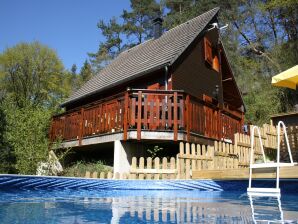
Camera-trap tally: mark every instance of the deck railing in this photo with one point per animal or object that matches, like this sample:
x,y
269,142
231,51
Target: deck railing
x,y
147,110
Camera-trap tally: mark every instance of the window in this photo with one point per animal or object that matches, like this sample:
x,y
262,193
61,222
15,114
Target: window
x,y
211,56
208,51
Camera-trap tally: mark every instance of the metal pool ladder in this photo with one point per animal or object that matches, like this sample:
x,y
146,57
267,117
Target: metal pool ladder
x,y
267,165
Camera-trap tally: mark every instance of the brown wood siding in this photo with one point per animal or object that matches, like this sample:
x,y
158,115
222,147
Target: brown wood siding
x,y
193,75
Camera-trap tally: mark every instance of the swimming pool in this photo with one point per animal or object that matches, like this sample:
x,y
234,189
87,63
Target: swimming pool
x,y
25,199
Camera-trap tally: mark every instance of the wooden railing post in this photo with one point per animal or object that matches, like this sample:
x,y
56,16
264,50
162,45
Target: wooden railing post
x,y
81,129
187,117
175,116
139,120
219,125
125,120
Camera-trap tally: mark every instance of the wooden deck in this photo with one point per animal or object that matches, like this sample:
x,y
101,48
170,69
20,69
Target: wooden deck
x,y
144,111
243,173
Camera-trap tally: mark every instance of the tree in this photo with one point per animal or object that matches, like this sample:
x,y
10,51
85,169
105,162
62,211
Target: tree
x,y
32,72
136,26
7,158
74,69
27,129
112,45
86,72
32,83
138,22
73,78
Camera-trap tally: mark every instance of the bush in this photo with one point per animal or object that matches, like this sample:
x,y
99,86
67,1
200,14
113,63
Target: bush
x,y
26,133
80,167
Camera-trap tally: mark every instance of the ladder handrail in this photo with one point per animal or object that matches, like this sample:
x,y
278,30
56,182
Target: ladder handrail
x,y
252,137
279,126
287,140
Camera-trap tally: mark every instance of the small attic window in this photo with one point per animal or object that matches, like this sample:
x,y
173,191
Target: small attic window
x,y
208,51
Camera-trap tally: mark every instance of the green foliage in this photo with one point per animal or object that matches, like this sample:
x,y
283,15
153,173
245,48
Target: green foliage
x,y
154,151
262,102
112,45
138,22
32,72
74,69
27,129
86,72
135,28
80,167
7,158
32,84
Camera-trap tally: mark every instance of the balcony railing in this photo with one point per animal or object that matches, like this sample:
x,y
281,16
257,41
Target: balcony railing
x,y
147,110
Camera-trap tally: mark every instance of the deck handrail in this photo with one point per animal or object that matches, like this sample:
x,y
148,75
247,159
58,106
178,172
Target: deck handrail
x,y
179,111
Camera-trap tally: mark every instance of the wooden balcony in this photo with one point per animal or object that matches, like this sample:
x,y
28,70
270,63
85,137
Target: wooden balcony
x,y
142,111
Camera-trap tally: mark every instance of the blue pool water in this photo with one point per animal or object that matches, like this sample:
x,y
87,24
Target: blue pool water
x,y
65,200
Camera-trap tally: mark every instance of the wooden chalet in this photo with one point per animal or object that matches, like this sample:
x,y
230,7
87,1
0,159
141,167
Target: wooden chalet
x,y
177,86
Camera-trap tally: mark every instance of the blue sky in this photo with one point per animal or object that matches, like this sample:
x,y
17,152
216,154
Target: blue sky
x,y
67,26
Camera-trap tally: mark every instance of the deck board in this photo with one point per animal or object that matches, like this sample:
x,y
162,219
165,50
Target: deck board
x,y
243,173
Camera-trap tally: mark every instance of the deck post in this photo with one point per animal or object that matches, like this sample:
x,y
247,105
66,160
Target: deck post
x,y
81,129
139,119
219,126
175,116
187,117
125,120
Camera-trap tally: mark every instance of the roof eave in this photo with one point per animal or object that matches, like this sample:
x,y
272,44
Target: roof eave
x,y
115,84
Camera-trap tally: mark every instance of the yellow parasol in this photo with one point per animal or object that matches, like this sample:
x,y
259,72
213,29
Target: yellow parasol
x,y
288,78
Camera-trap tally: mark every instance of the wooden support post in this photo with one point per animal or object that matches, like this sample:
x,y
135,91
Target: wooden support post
x,y
156,166
175,116
110,175
211,155
187,117
172,167
193,161
224,150
187,161
94,174
215,158
141,166
102,175
220,158
87,174
204,154
236,152
139,120
125,119
81,130
149,166
180,161
199,153
164,166
133,167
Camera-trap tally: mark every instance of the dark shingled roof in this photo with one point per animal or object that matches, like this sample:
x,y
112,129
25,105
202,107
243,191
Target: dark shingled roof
x,y
148,56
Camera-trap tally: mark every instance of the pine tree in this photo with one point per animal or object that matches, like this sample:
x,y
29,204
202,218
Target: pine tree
x,y
73,69
86,72
112,45
138,22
